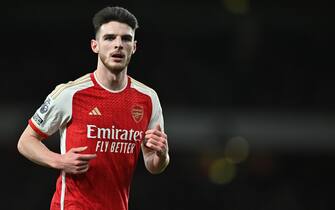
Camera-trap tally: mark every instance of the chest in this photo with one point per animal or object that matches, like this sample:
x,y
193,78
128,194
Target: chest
x,y
128,110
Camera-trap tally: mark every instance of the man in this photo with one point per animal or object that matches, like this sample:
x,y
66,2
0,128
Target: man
x,y
104,118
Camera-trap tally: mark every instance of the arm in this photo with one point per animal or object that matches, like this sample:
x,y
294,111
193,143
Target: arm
x,y
30,145
155,150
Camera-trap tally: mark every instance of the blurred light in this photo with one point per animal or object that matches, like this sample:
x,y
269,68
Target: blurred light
x,y
237,6
236,149
222,171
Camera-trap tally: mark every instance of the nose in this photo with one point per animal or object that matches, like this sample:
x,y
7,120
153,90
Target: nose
x,y
118,43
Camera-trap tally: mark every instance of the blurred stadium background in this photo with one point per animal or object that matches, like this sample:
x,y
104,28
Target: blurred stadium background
x,y
246,87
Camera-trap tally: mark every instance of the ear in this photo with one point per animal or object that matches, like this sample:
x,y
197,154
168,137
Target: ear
x,y
135,47
94,46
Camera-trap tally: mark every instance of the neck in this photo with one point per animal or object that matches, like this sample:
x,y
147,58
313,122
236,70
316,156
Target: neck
x,y
110,80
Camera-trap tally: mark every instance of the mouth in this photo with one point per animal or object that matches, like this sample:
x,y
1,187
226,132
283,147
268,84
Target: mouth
x,y
118,55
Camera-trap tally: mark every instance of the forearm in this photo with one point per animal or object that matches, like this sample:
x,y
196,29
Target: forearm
x,y
156,164
32,148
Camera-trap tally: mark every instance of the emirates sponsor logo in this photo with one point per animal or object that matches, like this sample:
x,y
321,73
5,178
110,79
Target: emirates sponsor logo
x,y
115,140
137,113
94,132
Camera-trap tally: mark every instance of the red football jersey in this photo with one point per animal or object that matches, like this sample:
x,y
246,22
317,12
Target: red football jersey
x,y
112,125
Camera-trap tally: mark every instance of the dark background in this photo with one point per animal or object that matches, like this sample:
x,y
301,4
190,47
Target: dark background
x,y
246,89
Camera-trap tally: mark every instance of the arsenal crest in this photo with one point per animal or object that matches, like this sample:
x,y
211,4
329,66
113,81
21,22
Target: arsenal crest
x,y
137,112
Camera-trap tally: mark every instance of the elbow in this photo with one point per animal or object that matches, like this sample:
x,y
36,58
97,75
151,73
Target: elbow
x,y
20,146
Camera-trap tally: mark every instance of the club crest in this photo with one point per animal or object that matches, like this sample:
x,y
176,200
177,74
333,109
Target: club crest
x,y
137,113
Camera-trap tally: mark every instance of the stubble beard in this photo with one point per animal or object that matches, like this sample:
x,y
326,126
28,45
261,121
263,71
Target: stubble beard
x,y
116,69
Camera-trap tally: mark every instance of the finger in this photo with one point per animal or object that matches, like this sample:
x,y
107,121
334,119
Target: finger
x,y
86,156
81,163
152,138
156,128
83,167
156,132
155,137
152,131
82,170
159,149
78,149
152,146
155,143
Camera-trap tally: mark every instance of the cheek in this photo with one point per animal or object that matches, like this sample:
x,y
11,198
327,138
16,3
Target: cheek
x,y
103,50
103,53
130,50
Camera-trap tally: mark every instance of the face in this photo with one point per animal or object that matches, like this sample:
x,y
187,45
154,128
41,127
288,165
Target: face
x,y
114,45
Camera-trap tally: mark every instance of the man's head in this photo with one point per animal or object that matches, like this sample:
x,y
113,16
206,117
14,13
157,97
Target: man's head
x,y
114,37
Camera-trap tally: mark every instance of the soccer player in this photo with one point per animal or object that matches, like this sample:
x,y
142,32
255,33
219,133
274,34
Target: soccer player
x,y
105,118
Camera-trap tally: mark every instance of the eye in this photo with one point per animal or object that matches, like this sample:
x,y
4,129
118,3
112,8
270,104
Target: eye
x,y
109,37
127,38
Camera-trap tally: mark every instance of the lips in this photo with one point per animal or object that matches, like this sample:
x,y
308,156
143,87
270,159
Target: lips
x,y
118,55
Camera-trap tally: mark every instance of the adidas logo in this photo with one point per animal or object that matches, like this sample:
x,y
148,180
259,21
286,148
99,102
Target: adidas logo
x,y
95,111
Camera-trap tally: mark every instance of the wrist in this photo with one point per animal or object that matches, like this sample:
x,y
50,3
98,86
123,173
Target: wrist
x,y
57,162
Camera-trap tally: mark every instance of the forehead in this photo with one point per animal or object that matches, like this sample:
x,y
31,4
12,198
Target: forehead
x,y
114,27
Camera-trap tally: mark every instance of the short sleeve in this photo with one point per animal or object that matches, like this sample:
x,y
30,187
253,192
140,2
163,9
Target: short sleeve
x,y
157,113
52,115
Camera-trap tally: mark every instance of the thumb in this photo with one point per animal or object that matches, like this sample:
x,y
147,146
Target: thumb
x,y
78,149
158,127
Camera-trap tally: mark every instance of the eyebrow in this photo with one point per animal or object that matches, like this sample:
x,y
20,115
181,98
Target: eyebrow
x,y
125,35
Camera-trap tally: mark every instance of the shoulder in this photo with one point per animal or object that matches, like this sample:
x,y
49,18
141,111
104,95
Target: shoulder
x,y
144,89
71,87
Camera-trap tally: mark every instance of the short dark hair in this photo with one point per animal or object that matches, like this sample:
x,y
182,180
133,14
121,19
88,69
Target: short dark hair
x,y
118,14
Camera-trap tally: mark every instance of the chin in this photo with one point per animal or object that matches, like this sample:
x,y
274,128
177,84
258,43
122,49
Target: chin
x,y
116,68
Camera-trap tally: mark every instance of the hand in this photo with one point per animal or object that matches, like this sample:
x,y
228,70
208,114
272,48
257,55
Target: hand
x,y
75,163
155,139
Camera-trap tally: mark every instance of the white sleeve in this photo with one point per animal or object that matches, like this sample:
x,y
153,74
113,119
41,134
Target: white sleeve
x,y
54,113
157,113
